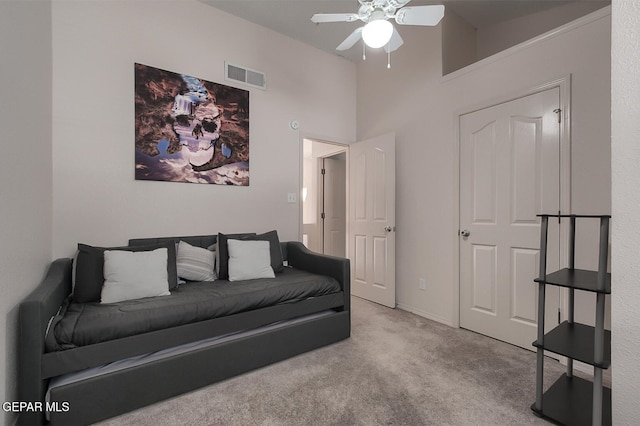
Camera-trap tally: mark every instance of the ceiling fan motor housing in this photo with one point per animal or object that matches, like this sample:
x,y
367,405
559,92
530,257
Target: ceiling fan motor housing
x,y
372,10
377,14
397,4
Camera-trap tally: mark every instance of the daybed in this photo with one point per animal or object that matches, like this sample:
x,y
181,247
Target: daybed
x,y
130,366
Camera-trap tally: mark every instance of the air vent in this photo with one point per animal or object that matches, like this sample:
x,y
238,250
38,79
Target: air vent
x,y
245,76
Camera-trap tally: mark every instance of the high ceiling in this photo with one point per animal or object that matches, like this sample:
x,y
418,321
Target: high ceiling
x,y
292,17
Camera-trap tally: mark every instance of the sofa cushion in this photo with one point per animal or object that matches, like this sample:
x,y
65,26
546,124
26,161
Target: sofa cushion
x,y
130,275
80,324
195,263
249,260
89,269
222,254
274,249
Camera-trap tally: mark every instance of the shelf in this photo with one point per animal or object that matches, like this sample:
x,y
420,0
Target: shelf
x,y
576,341
570,400
578,279
577,216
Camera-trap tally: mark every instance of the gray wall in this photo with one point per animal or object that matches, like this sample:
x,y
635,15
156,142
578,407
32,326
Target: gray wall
x,y
25,169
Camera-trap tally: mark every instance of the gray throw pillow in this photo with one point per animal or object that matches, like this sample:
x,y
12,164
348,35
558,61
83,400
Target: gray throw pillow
x,y
89,269
275,251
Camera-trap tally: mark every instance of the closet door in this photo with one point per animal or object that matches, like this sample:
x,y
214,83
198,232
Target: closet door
x,y
509,173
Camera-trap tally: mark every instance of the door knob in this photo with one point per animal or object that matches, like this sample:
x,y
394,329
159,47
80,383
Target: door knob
x,y
388,228
465,233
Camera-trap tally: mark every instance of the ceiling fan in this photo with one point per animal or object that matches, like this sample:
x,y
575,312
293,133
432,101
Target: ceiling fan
x,y
378,31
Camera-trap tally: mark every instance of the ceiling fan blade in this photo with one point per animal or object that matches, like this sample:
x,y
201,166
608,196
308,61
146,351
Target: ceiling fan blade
x,y
351,39
420,15
334,17
395,42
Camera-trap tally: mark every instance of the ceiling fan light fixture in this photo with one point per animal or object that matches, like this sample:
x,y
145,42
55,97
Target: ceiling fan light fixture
x,y
377,33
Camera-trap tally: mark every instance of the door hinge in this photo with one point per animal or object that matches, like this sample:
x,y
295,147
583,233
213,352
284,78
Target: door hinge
x,y
558,315
558,111
322,215
323,171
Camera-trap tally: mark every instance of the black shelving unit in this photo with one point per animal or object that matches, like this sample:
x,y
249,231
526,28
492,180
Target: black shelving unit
x,y
572,400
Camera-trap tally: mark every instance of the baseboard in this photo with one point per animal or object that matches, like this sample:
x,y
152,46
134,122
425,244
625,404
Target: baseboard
x,y
427,315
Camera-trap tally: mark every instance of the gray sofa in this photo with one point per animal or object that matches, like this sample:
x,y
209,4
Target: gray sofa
x,y
240,341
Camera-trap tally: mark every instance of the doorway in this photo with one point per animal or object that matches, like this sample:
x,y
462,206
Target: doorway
x,y
348,210
324,197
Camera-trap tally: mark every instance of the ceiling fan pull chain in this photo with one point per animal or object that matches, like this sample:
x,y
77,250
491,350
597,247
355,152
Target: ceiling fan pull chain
x,y
389,59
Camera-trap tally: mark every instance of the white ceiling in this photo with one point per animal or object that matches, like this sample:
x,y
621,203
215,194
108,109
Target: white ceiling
x,y
292,17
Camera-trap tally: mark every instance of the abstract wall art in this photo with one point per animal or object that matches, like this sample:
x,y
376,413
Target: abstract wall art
x,y
190,130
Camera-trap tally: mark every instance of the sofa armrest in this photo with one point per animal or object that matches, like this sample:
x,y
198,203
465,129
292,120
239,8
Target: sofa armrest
x,y
34,314
339,268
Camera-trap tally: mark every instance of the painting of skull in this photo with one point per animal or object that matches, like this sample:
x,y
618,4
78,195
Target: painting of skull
x,y
190,130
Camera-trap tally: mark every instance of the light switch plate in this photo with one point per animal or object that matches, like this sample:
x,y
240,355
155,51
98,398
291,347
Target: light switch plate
x,y
291,197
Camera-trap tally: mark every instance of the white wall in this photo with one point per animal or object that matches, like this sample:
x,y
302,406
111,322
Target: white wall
x,y
496,38
95,44
625,149
420,106
25,171
459,43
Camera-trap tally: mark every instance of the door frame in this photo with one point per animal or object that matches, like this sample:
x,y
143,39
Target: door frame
x,y
321,195
344,145
564,85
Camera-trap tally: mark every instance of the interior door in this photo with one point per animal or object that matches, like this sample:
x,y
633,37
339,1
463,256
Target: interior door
x,y
509,173
372,219
334,190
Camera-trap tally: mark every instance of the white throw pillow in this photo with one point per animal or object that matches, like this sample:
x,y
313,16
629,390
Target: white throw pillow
x,y
134,274
195,263
249,260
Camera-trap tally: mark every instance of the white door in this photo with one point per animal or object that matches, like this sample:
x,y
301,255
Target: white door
x,y
333,216
372,219
509,173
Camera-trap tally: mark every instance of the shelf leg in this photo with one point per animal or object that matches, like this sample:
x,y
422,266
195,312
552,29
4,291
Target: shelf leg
x,y
539,379
572,242
540,351
597,397
598,358
603,253
598,355
544,227
570,320
572,258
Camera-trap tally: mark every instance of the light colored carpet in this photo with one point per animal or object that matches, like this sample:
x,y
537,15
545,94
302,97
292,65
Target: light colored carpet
x,y
396,369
